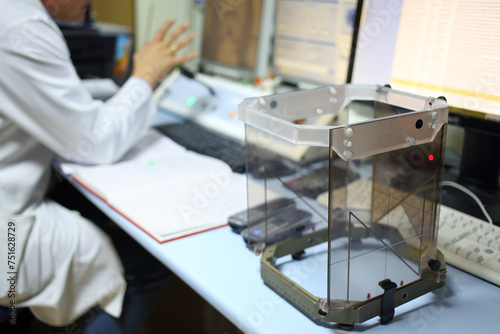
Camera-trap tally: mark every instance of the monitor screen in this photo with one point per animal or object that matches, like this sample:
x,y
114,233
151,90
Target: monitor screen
x,y
99,50
451,50
237,37
313,40
122,62
454,51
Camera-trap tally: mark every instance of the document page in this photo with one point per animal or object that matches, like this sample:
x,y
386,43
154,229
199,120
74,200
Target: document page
x,y
166,190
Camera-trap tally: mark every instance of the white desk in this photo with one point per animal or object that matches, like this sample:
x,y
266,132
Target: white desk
x,y
219,267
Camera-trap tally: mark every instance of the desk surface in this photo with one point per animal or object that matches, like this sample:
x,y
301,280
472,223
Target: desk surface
x,y
219,267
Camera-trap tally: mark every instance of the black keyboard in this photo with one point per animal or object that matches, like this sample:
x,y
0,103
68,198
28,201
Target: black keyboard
x,y
199,139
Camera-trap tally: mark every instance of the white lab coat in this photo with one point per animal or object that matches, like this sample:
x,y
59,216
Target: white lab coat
x,y
64,264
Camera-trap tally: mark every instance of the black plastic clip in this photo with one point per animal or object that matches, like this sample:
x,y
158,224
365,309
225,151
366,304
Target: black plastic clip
x,y
387,312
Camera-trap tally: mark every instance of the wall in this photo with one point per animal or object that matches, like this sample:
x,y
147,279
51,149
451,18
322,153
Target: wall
x,y
119,12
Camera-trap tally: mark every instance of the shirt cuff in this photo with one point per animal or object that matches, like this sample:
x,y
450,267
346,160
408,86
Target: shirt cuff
x,y
142,82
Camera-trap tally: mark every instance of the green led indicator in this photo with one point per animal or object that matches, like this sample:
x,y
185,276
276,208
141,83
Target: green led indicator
x,y
190,101
153,162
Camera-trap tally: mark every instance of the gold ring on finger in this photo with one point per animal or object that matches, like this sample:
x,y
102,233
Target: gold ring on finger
x,y
174,47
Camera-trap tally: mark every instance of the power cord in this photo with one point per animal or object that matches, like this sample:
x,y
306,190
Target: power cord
x,y
471,194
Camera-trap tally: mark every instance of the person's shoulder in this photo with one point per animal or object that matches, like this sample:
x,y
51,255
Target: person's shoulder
x,y
19,14
26,28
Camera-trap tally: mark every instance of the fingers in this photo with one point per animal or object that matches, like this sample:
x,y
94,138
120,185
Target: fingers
x,y
181,43
181,59
185,58
160,34
172,37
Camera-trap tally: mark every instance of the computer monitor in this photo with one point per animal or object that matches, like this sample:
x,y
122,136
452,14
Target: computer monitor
x,y
99,50
454,50
376,39
237,37
313,39
122,61
448,49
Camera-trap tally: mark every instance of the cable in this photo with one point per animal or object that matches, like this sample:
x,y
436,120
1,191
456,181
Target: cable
x,y
191,75
471,194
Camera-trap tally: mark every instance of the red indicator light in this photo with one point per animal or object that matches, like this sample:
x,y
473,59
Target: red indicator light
x,y
431,157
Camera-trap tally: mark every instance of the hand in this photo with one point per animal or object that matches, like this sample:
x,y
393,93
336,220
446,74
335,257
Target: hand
x,y
156,59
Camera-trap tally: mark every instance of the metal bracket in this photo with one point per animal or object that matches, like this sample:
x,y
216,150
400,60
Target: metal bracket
x,y
387,307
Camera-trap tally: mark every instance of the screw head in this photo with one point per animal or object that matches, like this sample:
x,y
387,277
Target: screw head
x,y
434,264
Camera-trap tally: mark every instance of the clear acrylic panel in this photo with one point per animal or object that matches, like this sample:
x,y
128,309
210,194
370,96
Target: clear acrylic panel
x,y
362,162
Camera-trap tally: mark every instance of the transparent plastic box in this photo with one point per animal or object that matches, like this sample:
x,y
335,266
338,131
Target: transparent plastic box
x,y
362,165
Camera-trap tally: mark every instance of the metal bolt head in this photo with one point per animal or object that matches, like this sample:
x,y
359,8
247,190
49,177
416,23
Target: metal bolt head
x,y
349,132
348,155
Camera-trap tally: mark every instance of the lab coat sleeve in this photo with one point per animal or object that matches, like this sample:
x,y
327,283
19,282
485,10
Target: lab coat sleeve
x,y
48,101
